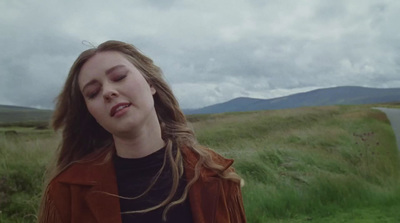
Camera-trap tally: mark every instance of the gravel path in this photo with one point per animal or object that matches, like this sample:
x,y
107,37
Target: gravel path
x,y
393,115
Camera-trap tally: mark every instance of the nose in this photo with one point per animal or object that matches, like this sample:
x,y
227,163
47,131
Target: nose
x,y
109,92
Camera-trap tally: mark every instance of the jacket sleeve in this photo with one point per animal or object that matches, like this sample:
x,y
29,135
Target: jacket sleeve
x,y
235,204
48,212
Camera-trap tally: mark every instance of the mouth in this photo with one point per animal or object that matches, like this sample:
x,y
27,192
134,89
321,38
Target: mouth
x,y
118,107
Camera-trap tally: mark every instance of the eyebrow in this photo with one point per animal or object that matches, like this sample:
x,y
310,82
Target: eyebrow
x,y
108,72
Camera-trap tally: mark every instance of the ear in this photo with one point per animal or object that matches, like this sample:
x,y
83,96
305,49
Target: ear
x,y
152,90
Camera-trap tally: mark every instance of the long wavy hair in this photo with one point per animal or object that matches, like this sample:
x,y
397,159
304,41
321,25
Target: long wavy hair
x,y
82,135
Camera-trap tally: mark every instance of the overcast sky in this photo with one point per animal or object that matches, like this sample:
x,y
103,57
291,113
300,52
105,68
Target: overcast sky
x,y
210,51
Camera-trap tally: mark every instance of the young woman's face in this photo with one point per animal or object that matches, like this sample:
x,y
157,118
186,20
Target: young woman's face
x,y
116,93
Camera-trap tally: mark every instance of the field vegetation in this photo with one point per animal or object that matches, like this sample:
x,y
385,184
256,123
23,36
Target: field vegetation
x,y
316,164
18,116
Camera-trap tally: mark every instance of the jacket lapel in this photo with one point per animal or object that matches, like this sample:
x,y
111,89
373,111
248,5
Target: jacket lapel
x,y
102,198
104,204
98,174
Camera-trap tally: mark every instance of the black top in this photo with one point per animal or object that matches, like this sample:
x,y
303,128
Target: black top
x,y
134,176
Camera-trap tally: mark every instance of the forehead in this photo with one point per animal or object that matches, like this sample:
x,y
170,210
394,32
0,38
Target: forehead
x,y
97,65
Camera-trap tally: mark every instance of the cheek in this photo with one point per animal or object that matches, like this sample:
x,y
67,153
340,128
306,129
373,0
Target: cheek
x,y
93,110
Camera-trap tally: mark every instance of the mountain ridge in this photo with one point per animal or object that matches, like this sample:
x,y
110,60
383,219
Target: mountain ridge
x,y
341,95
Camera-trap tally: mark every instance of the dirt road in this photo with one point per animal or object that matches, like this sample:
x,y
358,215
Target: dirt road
x,y
393,115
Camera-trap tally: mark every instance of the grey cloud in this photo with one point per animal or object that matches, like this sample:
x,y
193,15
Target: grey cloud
x,y
33,74
210,50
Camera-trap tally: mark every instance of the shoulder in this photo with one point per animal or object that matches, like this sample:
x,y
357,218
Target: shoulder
x,y
71,185
87,170
219,159
217,190
92,170
207,161
193,155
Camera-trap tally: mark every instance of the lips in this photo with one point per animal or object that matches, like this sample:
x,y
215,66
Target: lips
x,y
118,107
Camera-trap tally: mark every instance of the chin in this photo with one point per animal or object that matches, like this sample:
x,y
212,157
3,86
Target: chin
x,y
123,130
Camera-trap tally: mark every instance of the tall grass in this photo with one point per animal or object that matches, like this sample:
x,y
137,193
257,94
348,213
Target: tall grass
x,y
23,158
322,164
309,161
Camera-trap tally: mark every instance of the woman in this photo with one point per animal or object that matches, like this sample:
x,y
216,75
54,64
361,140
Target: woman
x,y
127,154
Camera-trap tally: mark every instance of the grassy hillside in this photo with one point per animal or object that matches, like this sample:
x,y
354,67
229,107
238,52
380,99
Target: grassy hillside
x,y
321,164
310,164
22,115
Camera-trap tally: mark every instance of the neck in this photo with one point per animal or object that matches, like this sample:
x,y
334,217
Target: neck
x,y
140,144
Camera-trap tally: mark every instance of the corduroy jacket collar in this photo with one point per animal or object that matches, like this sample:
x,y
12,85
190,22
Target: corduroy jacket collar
x,y
97,176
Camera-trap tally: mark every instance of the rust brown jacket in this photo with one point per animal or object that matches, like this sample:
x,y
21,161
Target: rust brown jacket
x,y
83,193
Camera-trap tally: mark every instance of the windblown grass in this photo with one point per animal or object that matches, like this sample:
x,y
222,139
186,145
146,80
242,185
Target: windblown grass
x,y
309,163
321,164
23,158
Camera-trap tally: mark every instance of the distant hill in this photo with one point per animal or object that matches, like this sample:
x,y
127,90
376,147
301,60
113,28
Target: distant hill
x,y
320,97
16,114
327,96
4,108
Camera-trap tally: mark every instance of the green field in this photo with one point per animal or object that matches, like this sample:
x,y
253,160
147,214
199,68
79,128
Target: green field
x,y
321,164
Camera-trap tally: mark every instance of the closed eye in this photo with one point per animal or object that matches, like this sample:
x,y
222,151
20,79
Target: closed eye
x,y
119,78
117,73
93,94
92,90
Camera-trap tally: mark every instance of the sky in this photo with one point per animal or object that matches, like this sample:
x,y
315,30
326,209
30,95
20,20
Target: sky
x,y
210,51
